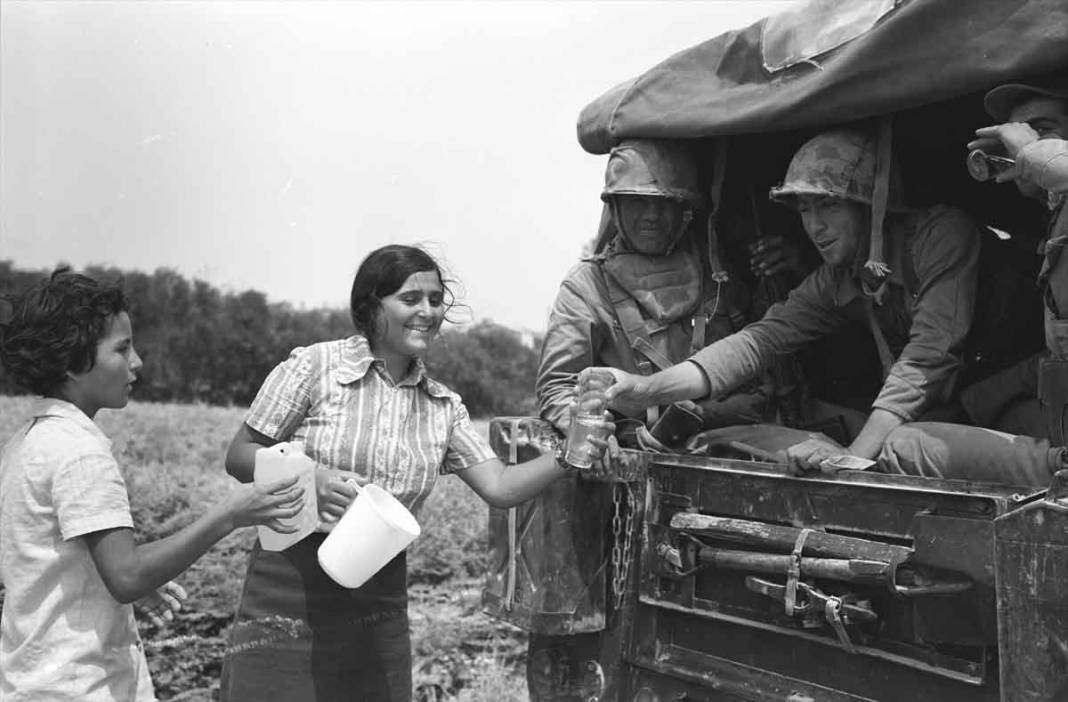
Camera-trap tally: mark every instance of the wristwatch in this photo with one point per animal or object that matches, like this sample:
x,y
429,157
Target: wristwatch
x,y
560,454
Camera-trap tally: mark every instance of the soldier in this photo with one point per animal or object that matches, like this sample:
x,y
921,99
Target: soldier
x,y
918,308
1030,399
650,298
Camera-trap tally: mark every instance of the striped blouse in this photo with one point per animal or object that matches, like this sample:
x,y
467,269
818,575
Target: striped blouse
x,y
338,400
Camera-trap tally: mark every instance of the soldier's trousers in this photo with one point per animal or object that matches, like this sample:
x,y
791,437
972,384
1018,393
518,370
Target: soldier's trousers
x,y
961,452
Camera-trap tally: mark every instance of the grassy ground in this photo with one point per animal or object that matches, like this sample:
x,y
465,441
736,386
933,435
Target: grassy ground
x,y
171,456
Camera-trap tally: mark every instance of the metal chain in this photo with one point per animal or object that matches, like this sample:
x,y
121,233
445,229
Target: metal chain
x,y
618,584
622,541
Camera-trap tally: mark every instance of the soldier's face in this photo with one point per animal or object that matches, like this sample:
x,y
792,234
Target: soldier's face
x,y
835,226
650,224
1049,118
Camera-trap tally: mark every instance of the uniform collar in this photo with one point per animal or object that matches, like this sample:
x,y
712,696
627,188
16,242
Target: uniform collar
x,y
357,359
55,407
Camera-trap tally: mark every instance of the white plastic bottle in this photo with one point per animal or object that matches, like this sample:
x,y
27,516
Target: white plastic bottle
x,y
284,461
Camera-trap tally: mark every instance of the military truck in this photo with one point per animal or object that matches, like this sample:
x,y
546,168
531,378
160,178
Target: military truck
x,y
696,577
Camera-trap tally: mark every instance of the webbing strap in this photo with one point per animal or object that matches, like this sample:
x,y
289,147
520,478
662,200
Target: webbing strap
x,y
876,257
793,573
886,358
513,458
630,319
715,192
700,325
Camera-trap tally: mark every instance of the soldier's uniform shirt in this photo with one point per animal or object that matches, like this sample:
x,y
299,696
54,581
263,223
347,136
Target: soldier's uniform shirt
x,y
974,453
63,636
1045,163
924,321
584,331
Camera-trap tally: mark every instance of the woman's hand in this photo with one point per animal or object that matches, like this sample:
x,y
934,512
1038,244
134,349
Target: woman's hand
x,y
252,505
334,490
161,604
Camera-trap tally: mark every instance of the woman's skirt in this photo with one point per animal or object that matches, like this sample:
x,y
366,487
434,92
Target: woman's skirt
x,y
301,636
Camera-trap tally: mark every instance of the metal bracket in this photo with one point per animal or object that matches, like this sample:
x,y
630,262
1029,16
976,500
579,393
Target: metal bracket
x,y
832,610
793,574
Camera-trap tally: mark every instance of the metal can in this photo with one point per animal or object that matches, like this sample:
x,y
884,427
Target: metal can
x,y
983,166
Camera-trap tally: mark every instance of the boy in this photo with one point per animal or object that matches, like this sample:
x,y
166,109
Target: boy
x,y
68,560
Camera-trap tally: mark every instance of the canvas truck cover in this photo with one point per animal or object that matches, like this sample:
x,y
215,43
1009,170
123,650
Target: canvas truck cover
x,y
831,61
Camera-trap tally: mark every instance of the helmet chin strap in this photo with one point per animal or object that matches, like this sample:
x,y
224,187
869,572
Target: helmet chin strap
x,y
876,263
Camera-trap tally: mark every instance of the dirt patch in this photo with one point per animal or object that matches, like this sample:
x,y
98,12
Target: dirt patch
x,y
456,648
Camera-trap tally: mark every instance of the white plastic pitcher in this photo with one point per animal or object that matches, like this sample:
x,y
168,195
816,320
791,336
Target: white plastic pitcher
x,y
374,529
284,461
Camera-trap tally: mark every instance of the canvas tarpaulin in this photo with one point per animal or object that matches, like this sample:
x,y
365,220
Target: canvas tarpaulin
x,y
920,51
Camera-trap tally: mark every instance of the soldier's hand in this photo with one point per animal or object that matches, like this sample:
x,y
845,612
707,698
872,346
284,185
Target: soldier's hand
x,y
630,394
601,470
810,454
1006,138
774,254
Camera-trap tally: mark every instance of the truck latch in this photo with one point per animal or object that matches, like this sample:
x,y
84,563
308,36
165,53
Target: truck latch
x,y
815,607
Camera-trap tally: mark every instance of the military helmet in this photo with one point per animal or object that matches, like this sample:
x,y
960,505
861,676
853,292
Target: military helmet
x,y
838,163
653,167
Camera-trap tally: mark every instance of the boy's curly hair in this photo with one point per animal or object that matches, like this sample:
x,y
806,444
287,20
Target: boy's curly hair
x,y
55,327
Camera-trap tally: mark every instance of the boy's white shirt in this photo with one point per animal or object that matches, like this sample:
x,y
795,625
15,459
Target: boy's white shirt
x,y
62,635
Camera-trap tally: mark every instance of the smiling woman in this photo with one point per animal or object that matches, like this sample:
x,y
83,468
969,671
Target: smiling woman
x,y
366,412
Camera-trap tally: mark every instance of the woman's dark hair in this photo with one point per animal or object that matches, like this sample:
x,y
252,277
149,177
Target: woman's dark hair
x,y
55,327
381,274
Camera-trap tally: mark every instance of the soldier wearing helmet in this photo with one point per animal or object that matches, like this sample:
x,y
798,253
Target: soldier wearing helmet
x,y
652,293
648,297
911,282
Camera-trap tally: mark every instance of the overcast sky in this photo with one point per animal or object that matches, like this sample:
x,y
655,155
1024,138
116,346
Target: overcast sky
x,y
273,145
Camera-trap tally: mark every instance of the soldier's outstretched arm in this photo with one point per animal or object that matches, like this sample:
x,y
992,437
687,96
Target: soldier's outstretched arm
x,y
630,393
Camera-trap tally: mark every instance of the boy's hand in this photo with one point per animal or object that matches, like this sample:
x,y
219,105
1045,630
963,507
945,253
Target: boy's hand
x,y
161,605
335,491
252,505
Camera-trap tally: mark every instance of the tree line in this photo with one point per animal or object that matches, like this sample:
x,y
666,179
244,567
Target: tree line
x,y
200,344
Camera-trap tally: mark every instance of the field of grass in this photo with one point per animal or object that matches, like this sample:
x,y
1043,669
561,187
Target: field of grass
x,y
172,460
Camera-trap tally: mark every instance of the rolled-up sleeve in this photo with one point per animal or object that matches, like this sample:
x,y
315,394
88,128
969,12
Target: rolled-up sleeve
x,y
1045,163
285,396
570,345
945,251
808,313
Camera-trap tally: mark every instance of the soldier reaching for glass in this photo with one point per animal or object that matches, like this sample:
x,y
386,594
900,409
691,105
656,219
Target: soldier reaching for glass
x,y
917,302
